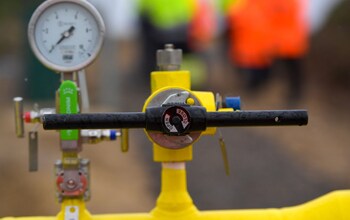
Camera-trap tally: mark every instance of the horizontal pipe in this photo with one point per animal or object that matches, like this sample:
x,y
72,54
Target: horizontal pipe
x,y
139,120
94,121
257,118
333,205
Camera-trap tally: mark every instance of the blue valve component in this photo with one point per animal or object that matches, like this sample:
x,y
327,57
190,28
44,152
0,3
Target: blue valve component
x,y
233,102
113,135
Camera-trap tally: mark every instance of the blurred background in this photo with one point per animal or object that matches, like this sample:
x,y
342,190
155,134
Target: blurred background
x,y
274,55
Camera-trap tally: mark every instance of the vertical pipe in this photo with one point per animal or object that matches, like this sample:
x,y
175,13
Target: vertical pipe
x,y
174,197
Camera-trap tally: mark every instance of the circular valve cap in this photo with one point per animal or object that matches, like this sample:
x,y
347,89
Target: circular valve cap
x,y
176,120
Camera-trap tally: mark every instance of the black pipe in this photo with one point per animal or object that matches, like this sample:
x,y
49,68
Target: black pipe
x,y
152,120
257,118
94,121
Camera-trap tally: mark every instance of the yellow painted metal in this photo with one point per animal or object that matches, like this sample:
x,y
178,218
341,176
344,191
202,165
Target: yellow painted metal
x,y
174,199
225,110
207,100
161,154
334,205
164,80
83,213
160,81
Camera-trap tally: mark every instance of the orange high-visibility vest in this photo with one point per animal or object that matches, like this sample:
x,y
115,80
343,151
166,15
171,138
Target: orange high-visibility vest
x,y
289,27
250,44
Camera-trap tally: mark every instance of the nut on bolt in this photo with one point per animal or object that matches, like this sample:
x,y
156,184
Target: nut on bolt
x,y
169,58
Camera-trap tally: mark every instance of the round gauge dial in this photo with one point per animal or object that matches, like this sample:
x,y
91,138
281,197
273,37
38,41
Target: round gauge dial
x,y
66,35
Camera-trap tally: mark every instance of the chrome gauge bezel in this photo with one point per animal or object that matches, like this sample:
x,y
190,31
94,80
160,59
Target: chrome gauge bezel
x,y
44,60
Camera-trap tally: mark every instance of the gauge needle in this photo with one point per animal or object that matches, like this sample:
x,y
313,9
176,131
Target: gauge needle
x,y
65,35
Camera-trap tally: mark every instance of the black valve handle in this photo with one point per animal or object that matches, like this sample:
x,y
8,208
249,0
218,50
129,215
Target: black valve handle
x,y
257,118
94,121
154,119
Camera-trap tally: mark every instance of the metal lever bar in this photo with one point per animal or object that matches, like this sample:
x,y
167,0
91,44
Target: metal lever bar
x,y
257,118
94,121
200,119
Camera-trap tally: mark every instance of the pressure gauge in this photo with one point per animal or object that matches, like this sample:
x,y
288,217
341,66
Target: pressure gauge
x,y
66,35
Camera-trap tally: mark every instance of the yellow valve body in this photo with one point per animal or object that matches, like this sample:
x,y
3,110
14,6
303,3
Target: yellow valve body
x,y
159,82
166,80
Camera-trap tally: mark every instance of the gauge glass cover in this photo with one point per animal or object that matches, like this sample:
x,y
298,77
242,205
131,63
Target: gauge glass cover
x,y
66,35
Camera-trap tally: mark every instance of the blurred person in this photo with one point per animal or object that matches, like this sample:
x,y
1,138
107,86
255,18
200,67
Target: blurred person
x,y
188,24
202,32
249,41
163,21
265,33
290,41
202,26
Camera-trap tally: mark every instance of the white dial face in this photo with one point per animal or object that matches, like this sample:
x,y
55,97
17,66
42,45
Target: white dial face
x,y
66,35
